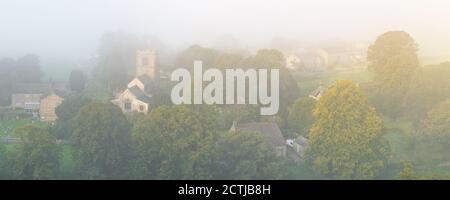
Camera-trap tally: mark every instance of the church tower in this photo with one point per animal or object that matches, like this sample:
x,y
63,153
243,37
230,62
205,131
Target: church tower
x,y
146,63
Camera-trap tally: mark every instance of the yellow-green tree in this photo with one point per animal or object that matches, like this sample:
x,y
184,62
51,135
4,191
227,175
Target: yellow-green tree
x,y
393,61
437,123
430,86
346,140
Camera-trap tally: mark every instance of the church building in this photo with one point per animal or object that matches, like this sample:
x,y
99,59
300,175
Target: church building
x,y
138,95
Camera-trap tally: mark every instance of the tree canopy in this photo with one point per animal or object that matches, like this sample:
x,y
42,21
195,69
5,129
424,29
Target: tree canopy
x,y
68,109
101,142
346,139
393,60
175,143
247,156
77,81
36,156
300,118
430,86
26,69
437,123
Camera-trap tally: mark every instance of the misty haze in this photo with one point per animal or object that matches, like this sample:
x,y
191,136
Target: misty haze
x,y
362,89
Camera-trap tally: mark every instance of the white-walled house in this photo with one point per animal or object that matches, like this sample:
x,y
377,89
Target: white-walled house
x,y
138,95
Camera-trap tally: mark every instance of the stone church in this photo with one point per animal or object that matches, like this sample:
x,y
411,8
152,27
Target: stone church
x,y
138,95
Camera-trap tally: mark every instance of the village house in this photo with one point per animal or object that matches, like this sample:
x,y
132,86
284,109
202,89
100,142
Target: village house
x,y
293,62
48,106
315,60
318,93
27,96
40,99
138,95
300,145
269,131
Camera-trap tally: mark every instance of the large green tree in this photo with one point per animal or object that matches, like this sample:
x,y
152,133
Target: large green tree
x,y
117,58
175,143
68,109
430,86
36,156
393,61
77,81
101,142
186,58
246,155
6,80
300,118
25,69
28,69
274,59
346,141
437,123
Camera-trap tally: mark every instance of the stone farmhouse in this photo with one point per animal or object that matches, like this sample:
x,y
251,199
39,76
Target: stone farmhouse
x,y
40,99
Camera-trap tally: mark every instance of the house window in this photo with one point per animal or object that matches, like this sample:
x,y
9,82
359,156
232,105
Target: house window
x,y
141,108
127,106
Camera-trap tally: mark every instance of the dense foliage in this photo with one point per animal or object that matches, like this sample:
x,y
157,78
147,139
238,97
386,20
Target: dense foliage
x,y
101,142
346,139
36,156
393,60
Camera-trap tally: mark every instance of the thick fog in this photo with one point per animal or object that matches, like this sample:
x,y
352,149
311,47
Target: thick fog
x,y
71,29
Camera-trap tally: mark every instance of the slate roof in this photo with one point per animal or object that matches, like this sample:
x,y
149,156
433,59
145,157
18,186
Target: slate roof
x,y
270,131
136,91
317,93
140,95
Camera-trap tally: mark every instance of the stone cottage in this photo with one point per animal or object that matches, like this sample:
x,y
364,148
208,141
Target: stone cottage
x,y
48,106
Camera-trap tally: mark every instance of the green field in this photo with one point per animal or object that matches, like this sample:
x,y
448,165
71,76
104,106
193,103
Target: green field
x,y
308,83
410,145
7,127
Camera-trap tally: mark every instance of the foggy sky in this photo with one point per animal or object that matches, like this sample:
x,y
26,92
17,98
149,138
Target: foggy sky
x,y
70,29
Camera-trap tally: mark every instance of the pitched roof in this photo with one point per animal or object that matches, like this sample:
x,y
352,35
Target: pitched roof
x,y
145,99
270,131
317,93
136,91
139,94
